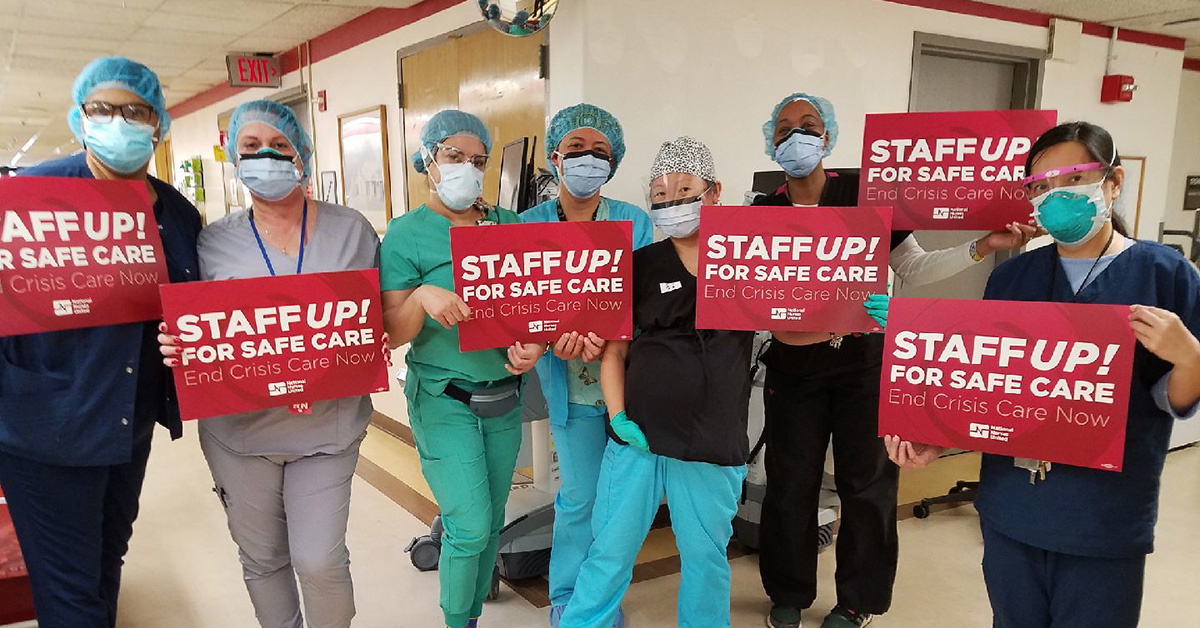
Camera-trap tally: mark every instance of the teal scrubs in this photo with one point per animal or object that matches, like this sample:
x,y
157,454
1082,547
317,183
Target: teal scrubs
x,y
468,461
577,419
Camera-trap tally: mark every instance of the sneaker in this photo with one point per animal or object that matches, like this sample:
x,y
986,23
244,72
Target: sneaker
x,y
841,617
783,617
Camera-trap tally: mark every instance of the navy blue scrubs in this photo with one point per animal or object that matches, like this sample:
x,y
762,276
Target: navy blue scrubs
x,y
77,410
1070,550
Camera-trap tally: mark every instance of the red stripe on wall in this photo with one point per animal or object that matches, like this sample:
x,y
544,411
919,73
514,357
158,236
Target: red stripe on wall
x,y
1034,18
1191,64
361,29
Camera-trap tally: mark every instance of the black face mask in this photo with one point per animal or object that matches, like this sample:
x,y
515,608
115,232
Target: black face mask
x,y
683,201
275,156
808,132
585,153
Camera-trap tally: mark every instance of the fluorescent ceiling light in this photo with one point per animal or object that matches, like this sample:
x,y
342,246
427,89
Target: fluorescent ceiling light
x,y
16,158
29,144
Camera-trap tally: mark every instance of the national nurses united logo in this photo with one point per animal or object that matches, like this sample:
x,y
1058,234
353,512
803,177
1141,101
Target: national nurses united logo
x,y
787,313
542,326
278,389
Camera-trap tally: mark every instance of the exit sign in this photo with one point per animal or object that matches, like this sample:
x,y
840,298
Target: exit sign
x,y
253,70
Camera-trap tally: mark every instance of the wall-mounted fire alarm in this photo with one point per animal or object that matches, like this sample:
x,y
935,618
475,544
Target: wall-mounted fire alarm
x,y
1117,88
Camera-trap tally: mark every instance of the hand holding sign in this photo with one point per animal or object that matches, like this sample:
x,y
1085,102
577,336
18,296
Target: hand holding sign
x,y
791,268
950,170
442,305
77,253
250,344
1048,381
540,281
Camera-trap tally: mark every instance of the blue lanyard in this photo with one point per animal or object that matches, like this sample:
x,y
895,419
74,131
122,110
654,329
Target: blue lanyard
x,y
262,249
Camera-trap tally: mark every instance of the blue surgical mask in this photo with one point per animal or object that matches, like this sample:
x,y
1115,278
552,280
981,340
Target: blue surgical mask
x,y
1072,215
584,172
800,152
677,219
125,147
460,186
270,175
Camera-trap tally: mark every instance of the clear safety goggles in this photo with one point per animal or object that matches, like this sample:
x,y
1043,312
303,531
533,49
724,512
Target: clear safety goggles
x,y
451,155
1081,174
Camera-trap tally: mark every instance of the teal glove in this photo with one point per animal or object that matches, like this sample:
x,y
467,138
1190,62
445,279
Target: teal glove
x,y
877,308
629,432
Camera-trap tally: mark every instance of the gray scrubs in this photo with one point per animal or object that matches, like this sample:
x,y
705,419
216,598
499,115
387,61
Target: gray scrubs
x,y
283,478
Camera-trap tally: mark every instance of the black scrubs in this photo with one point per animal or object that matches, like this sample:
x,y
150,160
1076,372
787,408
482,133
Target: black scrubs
x,y
813,393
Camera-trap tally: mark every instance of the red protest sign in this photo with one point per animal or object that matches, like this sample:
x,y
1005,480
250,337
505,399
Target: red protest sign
x,y
537,281
791,268
1048,381
250,344
950,171
77,253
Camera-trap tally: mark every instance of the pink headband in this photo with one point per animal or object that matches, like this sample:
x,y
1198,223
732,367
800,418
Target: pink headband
x,y
1095,165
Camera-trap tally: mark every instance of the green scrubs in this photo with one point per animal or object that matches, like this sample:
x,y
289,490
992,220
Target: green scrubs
x,y
468,461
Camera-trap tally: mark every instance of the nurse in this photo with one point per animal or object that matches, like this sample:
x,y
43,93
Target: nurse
x,y
282,477
677,398
78,407
584,145
825,385
464,408
1064,546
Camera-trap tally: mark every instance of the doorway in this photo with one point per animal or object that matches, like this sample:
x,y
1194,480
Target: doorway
x,y
499,78
955,74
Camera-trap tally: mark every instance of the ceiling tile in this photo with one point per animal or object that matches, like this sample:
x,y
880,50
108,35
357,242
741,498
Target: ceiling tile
x,y
256,12
36,41
87,12
75,28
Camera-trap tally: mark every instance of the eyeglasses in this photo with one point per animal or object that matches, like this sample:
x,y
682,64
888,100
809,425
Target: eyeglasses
x,y
103,112
1081,174
455,156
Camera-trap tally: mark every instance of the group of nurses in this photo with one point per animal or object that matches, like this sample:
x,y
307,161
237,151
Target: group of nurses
x,y
663,415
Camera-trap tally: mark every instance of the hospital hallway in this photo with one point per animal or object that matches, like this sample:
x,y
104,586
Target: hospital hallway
x,y
182,570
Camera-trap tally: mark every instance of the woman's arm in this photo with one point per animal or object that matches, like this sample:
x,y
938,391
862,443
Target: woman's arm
x,y
1163,333
612,375
404,311
402,316
918,267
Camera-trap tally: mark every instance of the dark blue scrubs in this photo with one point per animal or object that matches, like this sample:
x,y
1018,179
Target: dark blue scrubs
x,y
77,410
1070,550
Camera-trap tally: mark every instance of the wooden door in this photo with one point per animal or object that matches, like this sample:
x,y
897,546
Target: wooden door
x,y
490,75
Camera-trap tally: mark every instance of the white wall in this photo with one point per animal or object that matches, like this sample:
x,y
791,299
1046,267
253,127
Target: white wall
x,y
1187,152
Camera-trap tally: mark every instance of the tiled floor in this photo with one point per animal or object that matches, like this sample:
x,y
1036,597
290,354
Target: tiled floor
x,y
182,570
